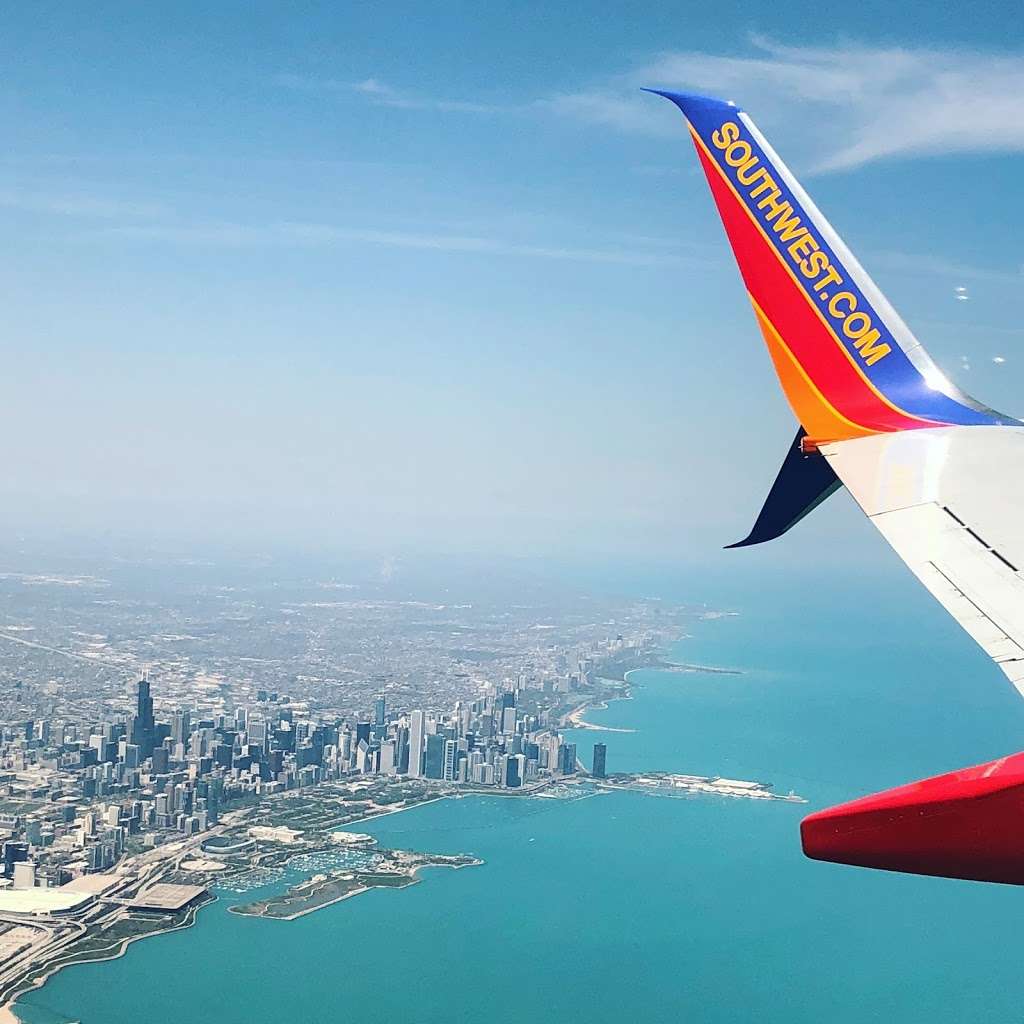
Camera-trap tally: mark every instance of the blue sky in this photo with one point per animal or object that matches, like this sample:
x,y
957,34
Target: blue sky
x,y
440,276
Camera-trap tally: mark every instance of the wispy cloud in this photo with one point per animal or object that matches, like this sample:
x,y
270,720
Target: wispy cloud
x,y
382,94
295,233
854,104
930,265
76,205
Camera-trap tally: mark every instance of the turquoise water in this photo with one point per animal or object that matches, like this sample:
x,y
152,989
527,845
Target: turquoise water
x,y
631,907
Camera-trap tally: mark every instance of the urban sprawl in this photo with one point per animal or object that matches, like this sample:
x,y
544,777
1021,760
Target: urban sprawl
x,y
92,793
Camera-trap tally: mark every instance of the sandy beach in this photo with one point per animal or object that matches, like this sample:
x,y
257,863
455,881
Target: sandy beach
x,y
577,721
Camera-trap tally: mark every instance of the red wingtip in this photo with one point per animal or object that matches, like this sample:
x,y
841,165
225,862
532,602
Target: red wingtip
x,y
965,824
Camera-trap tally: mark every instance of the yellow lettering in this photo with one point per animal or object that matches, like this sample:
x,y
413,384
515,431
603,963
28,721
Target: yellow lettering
x,y
863,325
726,135
737,153
848,297
802,246
789,228
814,264
767,182
869,350
771,203
832,277
742,175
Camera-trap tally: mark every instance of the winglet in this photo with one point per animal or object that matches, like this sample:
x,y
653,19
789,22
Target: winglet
x,y
692,103
803,483
847,363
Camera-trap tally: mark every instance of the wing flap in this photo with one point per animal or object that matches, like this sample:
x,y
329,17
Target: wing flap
x,y
940,500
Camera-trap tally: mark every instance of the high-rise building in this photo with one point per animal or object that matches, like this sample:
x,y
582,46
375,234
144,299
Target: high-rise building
x,y
24,875
508,720
567,758
378,712
143,725
416,736
450,753
433,760
600,753
402,750
160,757
14,853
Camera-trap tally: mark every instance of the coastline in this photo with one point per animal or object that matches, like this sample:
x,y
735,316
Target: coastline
x,y
414,879
391,810
8,1014
573,719
308,910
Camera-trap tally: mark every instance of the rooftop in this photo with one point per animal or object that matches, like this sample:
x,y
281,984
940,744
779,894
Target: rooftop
x,y
91,883
164,896
42,901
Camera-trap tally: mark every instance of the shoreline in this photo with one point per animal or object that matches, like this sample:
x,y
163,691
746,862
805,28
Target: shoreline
x,y
712,670
414,879
384,814
574,719
8,1014
309,910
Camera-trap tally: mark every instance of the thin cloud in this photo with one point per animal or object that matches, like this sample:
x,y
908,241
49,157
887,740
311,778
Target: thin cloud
x,y
76,205
619,106
296,234
381,94
930,265
857,104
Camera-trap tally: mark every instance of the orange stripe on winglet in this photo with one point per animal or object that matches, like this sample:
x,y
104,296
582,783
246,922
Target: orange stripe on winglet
x,y
816,414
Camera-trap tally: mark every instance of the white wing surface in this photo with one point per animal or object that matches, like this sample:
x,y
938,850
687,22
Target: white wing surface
x,y
949,502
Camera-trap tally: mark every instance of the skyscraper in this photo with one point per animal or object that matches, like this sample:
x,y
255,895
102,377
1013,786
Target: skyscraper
x,y
181,726
143,725
600,753
450,751
378,712
508,720
416,734
402,750
433,761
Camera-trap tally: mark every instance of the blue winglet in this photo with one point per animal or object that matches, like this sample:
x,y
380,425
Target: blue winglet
x,y
692,105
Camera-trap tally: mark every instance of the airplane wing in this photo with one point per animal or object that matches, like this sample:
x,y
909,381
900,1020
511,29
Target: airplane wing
x,y
948,500
936,471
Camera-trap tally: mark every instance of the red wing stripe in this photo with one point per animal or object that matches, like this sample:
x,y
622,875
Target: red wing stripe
x,y
809,340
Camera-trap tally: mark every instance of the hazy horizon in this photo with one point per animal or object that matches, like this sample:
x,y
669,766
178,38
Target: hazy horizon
x,y
365,280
